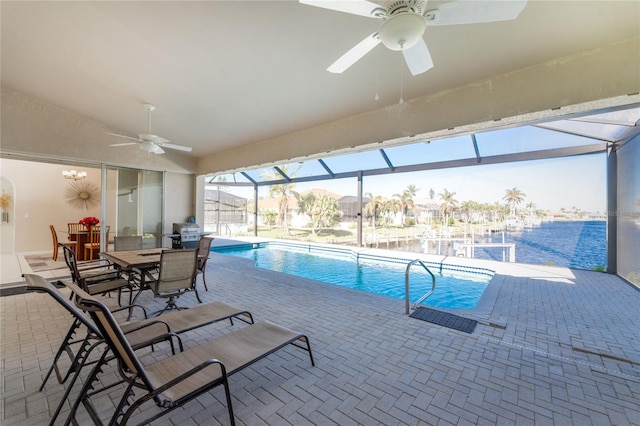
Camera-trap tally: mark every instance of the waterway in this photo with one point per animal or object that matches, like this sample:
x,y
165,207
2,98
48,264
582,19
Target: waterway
x,y
574,244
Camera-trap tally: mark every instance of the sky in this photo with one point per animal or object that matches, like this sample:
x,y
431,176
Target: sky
x,y
550,184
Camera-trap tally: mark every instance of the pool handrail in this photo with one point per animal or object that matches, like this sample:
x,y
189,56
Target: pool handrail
x,y
406,285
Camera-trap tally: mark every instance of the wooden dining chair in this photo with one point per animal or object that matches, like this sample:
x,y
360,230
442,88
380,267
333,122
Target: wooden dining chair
x,y
54,236
93,243
75,228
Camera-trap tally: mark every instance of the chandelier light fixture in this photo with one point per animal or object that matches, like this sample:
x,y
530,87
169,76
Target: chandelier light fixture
x,y
74,174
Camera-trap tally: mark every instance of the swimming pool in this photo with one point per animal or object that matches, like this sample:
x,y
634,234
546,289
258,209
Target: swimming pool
x,y
456,287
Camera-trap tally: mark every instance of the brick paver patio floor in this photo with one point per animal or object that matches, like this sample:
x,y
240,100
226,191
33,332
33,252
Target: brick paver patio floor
x,y
558,347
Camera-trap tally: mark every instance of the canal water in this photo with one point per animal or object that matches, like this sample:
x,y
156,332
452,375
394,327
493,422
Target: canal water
x,y
574,244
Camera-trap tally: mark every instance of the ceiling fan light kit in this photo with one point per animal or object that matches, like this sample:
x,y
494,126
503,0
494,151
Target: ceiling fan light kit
x,y
402,31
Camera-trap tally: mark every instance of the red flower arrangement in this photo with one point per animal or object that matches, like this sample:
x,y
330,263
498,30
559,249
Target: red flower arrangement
x,y
89,222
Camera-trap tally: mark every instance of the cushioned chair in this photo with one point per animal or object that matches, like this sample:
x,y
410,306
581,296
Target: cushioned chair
x,y
173,381
54,236
204,249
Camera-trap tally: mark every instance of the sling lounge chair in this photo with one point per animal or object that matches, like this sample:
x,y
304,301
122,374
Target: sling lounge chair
x,y
175,380
140,334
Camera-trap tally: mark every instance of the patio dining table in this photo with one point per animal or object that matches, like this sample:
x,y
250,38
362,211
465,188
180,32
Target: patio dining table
x,y
143,259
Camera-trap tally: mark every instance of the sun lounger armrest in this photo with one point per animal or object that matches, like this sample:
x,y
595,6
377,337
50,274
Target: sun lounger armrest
x,y
137,327
184,376
166,337
130,308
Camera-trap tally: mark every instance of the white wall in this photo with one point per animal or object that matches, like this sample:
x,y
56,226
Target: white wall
x,y
38,201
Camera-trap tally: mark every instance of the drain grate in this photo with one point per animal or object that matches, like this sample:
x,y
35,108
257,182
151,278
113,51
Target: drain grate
x,y
445,319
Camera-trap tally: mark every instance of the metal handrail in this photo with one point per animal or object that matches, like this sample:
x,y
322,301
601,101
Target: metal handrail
x,y
406,285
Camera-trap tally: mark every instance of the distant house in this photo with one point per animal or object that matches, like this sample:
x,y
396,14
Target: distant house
x,y
426,210
349,206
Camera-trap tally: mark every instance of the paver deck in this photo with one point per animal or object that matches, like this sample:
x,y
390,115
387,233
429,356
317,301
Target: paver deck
x,y
557,346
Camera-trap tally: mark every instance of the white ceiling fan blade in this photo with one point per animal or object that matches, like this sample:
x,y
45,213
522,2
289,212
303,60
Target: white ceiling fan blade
x,y
176,147
418,58
152,138
355,7
353,55
470,12
124,136
124,144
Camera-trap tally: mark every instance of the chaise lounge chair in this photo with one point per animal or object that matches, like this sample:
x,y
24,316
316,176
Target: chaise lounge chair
x,y
139,334
175,380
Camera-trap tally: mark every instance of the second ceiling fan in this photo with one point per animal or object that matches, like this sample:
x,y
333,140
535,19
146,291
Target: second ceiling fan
x,y
404,23
148,141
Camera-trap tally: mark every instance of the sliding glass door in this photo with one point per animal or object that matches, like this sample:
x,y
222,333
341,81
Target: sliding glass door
x,y
134,204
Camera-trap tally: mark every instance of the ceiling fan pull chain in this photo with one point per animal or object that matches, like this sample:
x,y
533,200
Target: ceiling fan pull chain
x,y
401,81
377,97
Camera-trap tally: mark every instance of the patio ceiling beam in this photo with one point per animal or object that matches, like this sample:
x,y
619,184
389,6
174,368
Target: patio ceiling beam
x,y
493,159
249,178
386,160
573,133
324,166
475,147
281,173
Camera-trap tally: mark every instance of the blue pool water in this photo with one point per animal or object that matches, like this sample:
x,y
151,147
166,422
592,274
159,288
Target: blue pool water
x,y
454,289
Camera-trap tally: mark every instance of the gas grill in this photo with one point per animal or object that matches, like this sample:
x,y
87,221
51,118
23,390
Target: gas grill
x,y
185,235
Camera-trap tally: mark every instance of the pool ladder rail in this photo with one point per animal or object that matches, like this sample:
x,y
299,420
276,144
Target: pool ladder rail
x,y
406,285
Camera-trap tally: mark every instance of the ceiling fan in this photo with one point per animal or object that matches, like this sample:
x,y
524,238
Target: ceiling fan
x,y
404,23
148,141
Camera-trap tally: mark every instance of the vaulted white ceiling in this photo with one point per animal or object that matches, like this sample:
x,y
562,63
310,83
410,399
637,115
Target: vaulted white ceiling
x,y
226,74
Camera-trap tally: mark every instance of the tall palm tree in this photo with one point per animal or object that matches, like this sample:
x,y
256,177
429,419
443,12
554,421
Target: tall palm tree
x,y
406,200
372,208
282,192
513,197
448,204
388,209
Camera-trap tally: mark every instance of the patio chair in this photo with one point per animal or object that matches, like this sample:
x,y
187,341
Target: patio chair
x,y
56,243
176,276
98,277
204,249
140,333
175,380
129,242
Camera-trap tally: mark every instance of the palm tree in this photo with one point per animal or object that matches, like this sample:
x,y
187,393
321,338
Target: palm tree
x,y
406,200
373,207
448,204
282,192
388,209
513,196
